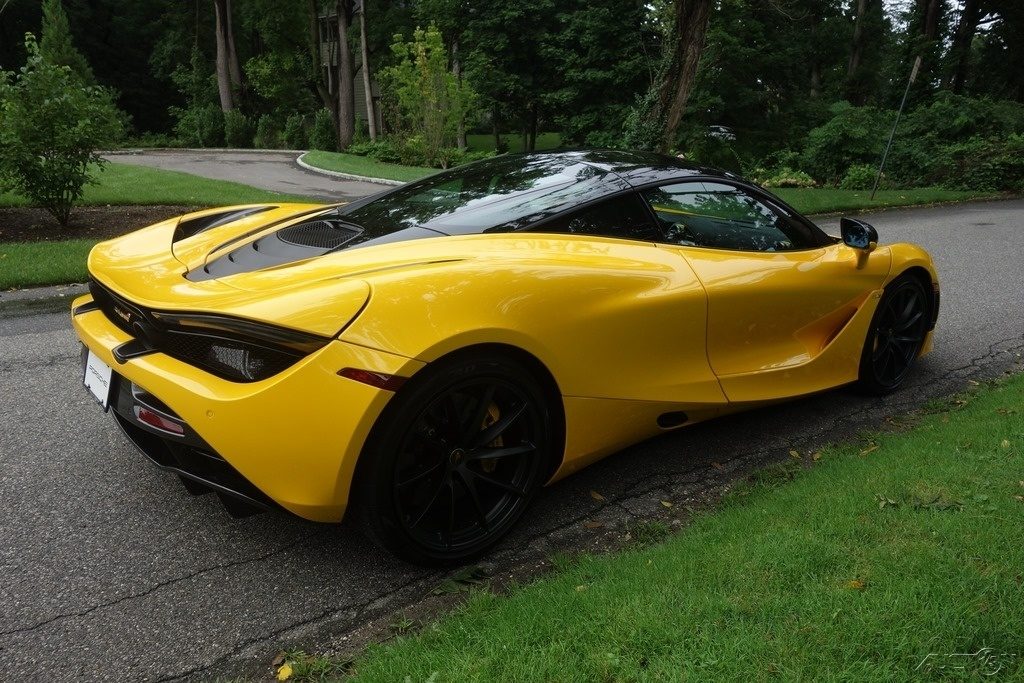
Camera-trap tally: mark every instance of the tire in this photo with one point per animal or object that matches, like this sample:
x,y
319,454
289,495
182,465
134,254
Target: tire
x,y
894,340
454,460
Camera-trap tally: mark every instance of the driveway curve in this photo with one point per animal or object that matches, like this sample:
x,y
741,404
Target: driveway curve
x,y
267,170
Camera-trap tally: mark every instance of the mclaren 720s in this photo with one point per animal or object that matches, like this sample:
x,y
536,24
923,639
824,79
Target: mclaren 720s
x,y
424,359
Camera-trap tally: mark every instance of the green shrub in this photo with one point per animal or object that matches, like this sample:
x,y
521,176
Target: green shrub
x,y
267,134
237,129
854,135
322,134
295,132
787,177
200,122
859,177
991,165
51,125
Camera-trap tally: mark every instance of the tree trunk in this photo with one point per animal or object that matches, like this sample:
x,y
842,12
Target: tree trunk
x,y
460,132
234,68
686,41
533,127
960,51
346,79
853,93
371,114
321,85
495,130
815,55
222,13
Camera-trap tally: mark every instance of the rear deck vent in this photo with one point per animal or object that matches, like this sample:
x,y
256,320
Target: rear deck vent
x,y
318,234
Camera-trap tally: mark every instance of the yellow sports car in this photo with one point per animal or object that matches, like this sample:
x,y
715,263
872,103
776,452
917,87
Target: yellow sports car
x,y
426,358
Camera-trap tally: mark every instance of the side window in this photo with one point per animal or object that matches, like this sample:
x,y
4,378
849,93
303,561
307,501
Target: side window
x,y
708,214
624,216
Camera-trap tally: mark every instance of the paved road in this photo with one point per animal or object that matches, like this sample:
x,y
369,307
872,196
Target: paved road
x,y
109,569
275,171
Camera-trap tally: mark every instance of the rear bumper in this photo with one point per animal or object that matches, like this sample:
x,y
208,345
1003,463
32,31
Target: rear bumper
x,y
291,440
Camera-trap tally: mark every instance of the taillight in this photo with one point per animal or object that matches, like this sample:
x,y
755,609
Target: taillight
x,y
155,419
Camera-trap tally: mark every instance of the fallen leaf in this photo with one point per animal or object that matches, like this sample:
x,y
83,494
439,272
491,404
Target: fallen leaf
x,y
591,524
285,672
665,503
872,447
1005,444
971,381
815,457
278,659
717,466
1020,498
855,584
794,454
597,496
580,589
627,538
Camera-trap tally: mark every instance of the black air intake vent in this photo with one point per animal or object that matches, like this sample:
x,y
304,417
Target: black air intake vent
x,y
318,234
194,226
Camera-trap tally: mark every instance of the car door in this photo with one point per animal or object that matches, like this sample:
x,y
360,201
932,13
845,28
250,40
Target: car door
x,y
787,310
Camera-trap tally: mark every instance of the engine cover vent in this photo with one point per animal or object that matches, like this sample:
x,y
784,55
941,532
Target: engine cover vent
x,y
318,234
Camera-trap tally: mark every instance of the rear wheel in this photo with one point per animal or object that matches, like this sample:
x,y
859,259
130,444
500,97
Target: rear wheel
x,y
455,460
897,333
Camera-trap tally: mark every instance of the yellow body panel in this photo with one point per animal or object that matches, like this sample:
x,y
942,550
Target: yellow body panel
x,y
628,330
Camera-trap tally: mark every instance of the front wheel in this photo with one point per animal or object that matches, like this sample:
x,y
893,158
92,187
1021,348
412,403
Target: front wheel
x,y
454,460
894,340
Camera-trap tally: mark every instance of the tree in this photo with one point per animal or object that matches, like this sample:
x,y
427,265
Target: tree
x,y
229,73
430,98
51,125
662,110
371,114
346,111
960,49
56,45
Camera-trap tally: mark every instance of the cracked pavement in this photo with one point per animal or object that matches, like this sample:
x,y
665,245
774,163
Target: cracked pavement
x,y
110,570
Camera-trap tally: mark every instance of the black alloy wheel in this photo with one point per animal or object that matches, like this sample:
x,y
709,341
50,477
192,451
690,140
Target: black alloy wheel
x,y
455,460
897,333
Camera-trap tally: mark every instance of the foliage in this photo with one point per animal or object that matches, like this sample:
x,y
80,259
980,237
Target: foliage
x,y
986,164
294,133
268,136
51,125
787,177
237,129
56,45
859,177
200,122
431,100
322,134
412,151
854,135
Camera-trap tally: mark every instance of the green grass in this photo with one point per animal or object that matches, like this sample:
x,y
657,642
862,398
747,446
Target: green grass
x,y
365,166
484,142
828,200
129,184
35,264
857,569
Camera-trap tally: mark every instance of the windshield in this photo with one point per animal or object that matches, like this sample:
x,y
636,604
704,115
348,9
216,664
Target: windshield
x,y
504,193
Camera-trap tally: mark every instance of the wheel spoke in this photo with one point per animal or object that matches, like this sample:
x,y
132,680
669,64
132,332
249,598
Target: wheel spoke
x,y
503,452
498,428
504,486
420,477
907,323
429,506
450,417
883,346
476,419
470,487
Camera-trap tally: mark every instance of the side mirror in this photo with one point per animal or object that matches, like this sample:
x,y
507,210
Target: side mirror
x,y
858,234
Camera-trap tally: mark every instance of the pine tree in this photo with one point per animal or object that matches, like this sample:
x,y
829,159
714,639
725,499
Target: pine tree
x,y
56,46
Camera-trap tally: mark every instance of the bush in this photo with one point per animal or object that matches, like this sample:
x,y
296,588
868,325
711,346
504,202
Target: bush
x,y
854,135
381,149
295,132
201,126
859,177
991,165
267,134
237,129
787,177
51,125
322,134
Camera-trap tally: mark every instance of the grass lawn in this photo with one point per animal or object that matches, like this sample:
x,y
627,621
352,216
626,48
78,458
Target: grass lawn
x,y
365,166
829,200
35,264
129,184
856,569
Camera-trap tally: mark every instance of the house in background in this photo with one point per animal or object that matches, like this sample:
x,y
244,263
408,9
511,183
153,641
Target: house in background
x,y
329,62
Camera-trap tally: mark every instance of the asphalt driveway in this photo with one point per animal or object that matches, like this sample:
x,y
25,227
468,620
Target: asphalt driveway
x,y
268,170
109,569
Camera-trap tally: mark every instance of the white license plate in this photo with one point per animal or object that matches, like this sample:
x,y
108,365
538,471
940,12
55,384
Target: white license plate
x,y
97,378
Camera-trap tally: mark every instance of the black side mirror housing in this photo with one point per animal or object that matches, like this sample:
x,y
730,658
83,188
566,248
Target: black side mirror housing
x,y
858,234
